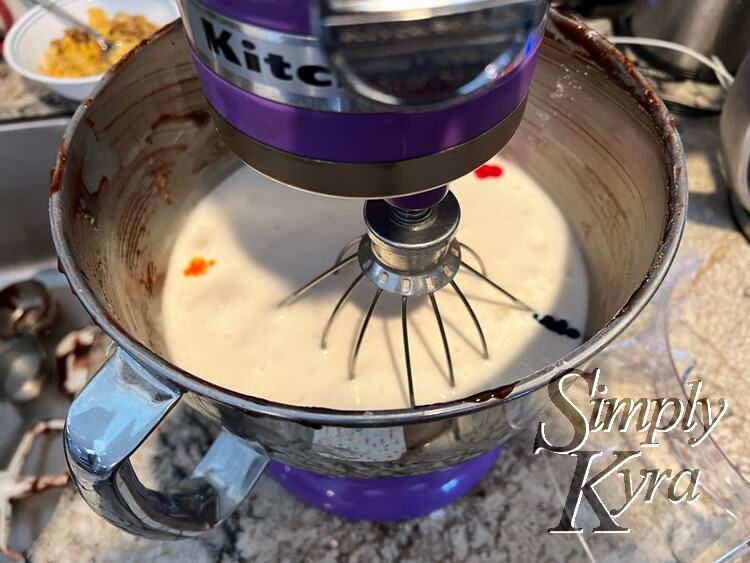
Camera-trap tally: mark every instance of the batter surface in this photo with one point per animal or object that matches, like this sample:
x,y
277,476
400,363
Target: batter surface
x,y
251,243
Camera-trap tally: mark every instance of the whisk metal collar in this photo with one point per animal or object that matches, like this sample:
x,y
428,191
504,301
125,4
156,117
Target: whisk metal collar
x,y
409,283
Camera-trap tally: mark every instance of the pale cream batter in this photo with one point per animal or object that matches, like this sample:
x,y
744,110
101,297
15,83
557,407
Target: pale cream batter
x,y
261,241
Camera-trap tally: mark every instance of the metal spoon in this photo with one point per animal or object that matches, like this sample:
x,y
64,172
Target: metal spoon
x,y
104,44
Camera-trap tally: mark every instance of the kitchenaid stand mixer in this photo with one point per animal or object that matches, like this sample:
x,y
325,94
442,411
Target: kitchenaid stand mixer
x,y
349,99
388,100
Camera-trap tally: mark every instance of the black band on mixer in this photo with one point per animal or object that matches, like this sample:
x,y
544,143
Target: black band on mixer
x,y
371,180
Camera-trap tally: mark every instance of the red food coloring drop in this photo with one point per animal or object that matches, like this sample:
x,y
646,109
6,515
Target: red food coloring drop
x,y
488,171
198,266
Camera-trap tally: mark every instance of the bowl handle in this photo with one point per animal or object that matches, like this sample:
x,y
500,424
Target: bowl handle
x,y
107,422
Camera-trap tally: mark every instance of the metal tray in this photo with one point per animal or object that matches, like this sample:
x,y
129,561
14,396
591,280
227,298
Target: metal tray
x,y
28,149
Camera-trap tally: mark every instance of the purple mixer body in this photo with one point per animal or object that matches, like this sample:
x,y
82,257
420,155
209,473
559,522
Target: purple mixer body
x,y
365,137
285,106
384,500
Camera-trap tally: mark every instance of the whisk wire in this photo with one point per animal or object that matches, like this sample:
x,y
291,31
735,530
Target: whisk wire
x,y
348,247
444,338
475,255
315,281
361,337
407,355
473,315
443,269
497,287
344,297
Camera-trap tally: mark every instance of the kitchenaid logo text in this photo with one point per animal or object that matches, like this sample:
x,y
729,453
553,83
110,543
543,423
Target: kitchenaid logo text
x,y
697,418
219,41
269,63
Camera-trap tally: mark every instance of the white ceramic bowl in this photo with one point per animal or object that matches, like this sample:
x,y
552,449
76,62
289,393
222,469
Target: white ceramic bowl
x,y
30,36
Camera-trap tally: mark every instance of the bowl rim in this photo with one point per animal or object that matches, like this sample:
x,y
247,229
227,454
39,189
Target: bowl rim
x,y
612,62
25,24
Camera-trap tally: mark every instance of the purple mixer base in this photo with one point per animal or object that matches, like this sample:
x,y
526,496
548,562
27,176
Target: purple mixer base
x,y
386,499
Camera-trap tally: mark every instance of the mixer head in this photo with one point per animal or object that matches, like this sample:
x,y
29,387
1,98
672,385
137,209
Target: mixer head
x,y
365,99
380,100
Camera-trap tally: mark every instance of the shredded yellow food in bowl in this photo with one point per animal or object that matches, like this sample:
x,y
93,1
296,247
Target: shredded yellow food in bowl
x,y
76,54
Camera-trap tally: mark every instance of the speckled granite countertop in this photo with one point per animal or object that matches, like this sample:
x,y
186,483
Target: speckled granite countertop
x,y
506,518
18,99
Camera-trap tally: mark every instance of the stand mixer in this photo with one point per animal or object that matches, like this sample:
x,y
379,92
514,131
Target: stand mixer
x,y
410,96
379,101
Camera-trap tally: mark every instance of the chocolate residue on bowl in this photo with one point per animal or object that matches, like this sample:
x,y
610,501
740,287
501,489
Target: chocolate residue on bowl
x,y
159,179
86,204
484,396
597,50
153,281
594,48
160,168
182,91
90,122
103,184
198,117
56,174
209,156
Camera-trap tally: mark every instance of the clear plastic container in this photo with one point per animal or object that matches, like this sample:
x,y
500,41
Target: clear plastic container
x,y
653,360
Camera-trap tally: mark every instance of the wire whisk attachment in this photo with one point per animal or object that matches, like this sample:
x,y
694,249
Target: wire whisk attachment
x,y
410,256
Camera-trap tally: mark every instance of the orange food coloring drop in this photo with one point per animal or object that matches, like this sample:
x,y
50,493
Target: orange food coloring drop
x,y
198,266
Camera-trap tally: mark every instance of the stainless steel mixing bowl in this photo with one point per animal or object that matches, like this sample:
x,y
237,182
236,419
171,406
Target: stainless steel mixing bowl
x,y
143,152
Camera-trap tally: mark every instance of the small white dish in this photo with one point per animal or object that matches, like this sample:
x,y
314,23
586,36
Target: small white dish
x,y
30,36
